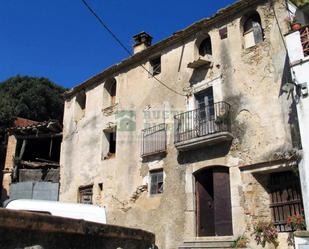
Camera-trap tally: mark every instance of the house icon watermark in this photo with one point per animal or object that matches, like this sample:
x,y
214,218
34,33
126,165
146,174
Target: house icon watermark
x,y
126,120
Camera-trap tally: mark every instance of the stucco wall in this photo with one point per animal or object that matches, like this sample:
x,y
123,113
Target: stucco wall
x,y
299,69
249,79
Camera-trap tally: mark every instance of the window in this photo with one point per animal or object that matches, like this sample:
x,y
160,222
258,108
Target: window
x,y
109,93
80,105
223,33
110,137
205,47
285,198
155,65
112,143
85,194
252,30
113,94
156,182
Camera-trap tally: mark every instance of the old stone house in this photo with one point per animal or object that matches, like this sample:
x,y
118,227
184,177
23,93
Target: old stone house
x,y
192,138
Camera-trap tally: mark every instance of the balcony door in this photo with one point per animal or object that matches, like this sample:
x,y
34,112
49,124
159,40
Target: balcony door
x,y
205,120
213,202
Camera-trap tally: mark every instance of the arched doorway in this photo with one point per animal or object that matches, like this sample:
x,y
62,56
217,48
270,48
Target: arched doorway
x,y
213,202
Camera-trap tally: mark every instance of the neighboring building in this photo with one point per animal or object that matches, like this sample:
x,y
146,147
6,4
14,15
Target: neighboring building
x,y
31,169
298,48
201,166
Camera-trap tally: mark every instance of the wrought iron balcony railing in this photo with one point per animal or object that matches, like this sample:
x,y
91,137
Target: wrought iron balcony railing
x,y
153,140
202,122
304,37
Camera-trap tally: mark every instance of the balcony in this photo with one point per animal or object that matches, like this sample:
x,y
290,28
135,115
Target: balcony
x,y
304,37
153,140
204,126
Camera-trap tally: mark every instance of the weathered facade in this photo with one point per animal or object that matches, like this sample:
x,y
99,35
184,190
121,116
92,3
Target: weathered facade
x,y
31,169
196,162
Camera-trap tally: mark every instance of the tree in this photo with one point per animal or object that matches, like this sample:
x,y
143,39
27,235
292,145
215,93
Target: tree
x,y
30,97
33,98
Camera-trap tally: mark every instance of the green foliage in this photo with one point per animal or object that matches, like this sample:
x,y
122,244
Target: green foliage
x,y
265,232
300,3
240,242
30,97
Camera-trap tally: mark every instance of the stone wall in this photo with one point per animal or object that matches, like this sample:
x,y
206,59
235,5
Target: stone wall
x,y
9,165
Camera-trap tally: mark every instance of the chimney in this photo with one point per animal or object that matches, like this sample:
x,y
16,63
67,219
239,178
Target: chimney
x,y
141,42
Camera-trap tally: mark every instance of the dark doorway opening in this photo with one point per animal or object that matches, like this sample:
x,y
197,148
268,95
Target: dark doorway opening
x,y
213,202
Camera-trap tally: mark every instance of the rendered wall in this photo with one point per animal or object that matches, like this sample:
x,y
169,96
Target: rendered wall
x,y
249,79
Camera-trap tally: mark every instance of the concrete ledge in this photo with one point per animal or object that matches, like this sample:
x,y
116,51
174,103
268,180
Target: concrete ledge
x,y
301,234
20,229
204,140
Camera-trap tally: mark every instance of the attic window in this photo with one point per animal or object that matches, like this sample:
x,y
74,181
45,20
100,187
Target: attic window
x,y
155,66
223,33
252,30
109,93
80,105
205,47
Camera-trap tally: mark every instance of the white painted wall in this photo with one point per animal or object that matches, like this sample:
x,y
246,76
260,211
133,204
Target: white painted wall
x,y
300,69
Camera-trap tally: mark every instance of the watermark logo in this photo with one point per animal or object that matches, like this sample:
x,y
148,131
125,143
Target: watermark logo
x,y
126,120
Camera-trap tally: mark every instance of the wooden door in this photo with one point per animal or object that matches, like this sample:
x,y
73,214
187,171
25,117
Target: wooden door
x,y
222,193
213,202
205,204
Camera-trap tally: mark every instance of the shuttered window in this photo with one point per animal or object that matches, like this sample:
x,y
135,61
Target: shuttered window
x,y
285,198
85,194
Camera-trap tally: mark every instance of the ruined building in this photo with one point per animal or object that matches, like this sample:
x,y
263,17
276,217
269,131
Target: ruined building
x,y
192,138
31,169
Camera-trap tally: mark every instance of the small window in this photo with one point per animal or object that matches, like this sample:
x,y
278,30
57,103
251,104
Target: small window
x,y
110,137
156,182
85,194
109,93
155,66
205,47
113,94
80,105
252,30
223,33
112,143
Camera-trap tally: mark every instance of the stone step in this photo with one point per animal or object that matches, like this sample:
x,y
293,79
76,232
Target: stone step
x,y
217,244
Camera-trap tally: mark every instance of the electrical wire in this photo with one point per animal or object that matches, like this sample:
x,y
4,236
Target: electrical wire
x,y
100,20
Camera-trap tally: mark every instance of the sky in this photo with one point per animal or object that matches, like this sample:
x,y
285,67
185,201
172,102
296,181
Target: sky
x,y
61,40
